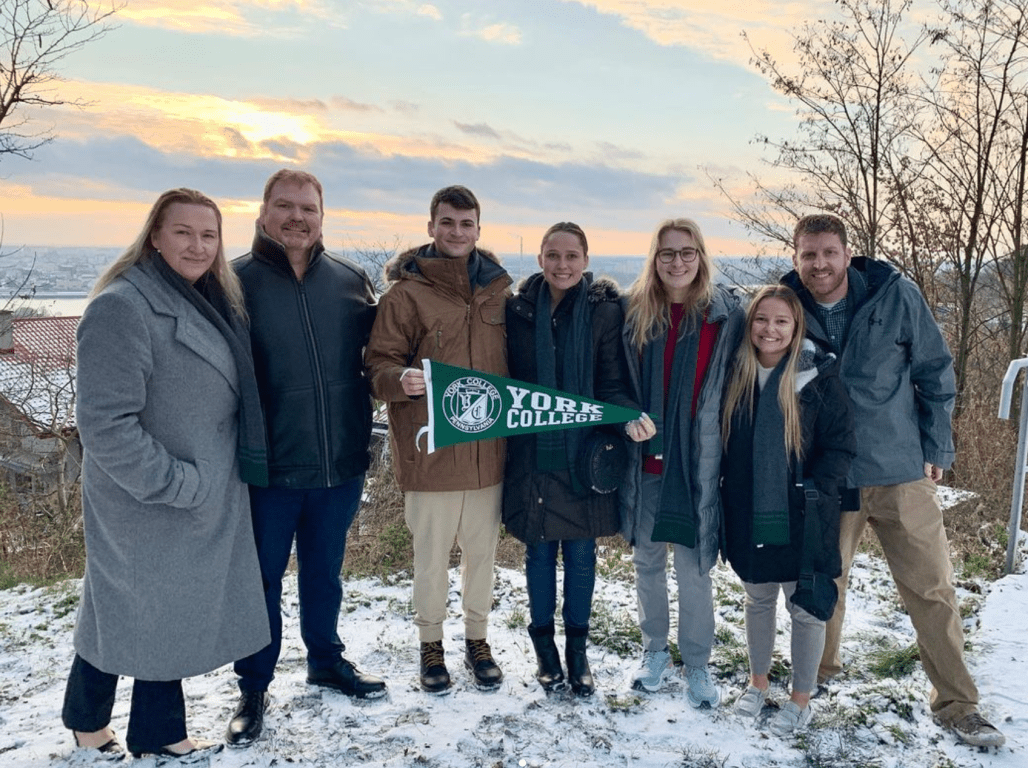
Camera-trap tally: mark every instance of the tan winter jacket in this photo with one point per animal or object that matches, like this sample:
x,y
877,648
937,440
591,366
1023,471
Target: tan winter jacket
x,y
430,311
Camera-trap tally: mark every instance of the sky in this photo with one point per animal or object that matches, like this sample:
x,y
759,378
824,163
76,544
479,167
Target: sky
x,y
610,113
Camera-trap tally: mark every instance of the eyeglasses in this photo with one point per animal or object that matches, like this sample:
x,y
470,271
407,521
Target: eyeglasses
x,y
667,255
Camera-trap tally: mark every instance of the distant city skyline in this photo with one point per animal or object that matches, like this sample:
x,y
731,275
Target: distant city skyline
x,y
605,112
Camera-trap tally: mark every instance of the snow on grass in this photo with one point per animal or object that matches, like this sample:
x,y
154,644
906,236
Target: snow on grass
x,y
864,719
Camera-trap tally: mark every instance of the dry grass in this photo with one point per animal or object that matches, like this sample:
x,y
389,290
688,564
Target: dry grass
x,y
38,543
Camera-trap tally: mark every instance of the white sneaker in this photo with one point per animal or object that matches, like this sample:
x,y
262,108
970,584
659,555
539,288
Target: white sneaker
x,y
751,702
702,690
655,668
791,718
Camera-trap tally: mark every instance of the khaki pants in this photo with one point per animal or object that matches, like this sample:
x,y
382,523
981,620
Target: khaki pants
x,y
436,519
908,522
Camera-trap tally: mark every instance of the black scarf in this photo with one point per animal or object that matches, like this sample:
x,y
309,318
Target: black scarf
x,y
771,473
558,449
676,514
210,301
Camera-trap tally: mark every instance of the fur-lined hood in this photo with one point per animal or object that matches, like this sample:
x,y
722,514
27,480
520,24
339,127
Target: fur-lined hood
x,y
599,290
405,264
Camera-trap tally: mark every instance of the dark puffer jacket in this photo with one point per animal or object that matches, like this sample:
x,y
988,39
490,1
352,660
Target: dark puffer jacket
x,y
308,341
540,505
826,416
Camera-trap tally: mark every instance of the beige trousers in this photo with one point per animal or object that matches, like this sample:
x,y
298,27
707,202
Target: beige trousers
x,y
436,519
908,522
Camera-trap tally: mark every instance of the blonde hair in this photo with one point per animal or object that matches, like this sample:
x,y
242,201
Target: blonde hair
x,y
739,392
649,310
142,249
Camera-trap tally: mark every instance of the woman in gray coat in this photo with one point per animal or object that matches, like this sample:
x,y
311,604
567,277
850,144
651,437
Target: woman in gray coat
x,y
171,431
681,330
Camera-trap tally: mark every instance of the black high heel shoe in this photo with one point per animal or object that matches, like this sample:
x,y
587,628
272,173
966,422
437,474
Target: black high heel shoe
x,y
203,750
112,750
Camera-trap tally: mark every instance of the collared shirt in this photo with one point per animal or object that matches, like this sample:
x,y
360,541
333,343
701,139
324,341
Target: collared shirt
x,y
834,319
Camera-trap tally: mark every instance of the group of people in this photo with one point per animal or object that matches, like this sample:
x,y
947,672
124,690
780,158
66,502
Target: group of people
x,y
225,413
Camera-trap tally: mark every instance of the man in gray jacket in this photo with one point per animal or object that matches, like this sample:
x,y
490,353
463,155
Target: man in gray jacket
x,y
899,374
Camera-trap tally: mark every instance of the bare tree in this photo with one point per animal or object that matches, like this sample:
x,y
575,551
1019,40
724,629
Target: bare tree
x,y
853,88
972,144
35,35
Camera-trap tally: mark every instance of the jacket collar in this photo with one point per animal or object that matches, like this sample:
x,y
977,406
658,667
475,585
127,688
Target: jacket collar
x,y
192,330
270,251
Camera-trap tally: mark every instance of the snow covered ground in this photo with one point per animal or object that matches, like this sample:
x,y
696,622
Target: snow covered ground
x,y
863,720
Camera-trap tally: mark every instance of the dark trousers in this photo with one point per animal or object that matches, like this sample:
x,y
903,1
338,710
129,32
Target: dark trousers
x,y
579,579
157,716
319,519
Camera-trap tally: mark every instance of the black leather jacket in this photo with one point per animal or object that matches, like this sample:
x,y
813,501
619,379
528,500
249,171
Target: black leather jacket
x,y
308,342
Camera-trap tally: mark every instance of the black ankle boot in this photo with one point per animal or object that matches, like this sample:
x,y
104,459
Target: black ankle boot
x,y
550,674
579,674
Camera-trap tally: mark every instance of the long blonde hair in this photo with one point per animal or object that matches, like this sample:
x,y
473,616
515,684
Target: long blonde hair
x,y
649,310
740,390
142,249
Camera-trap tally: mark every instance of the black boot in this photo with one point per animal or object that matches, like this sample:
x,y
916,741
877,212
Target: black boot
x,y
550,674
248,719
434,676
478,659
579,675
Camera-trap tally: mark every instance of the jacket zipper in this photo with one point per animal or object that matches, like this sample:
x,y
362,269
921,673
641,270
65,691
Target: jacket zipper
x,y
319,384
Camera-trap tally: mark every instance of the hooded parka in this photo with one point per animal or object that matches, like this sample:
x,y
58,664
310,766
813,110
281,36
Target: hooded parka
x,y
431,310
544,505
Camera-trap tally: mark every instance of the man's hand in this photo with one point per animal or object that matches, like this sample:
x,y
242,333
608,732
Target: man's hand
x,y
933,472
413,382
641,429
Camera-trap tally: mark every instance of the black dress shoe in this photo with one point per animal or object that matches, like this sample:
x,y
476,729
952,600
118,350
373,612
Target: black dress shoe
x,y
478,659
435,678
346,678
248,720
112,750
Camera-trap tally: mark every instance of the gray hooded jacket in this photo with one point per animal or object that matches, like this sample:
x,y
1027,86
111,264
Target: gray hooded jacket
x,y
898,372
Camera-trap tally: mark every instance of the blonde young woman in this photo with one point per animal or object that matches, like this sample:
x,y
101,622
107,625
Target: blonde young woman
x,y
680,333
171,430
787,418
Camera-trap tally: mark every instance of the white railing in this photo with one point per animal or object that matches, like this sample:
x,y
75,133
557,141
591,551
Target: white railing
x,y
1017,496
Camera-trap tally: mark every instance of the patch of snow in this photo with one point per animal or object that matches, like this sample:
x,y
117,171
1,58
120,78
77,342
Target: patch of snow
x,y
861,721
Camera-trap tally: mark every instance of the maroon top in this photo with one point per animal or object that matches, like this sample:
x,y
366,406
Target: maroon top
x,y
708,335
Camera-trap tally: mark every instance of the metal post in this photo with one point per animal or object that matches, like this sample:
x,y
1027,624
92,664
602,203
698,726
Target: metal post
x,y
1017,495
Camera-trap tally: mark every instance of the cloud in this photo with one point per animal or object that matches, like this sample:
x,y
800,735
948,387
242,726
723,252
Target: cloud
x,y
502,33
431,11
711,26
477,129
237,18
349,105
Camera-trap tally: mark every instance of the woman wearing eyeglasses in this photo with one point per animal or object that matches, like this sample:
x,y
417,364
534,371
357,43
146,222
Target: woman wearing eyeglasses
x,y
681,331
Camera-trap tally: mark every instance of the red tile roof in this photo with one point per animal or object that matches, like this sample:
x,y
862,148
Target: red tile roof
x,y
46,342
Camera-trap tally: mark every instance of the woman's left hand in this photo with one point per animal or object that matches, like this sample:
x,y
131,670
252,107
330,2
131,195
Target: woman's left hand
x,y
641,429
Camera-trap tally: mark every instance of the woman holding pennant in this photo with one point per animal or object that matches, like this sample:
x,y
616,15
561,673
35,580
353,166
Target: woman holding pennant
x,y
680,332
563,332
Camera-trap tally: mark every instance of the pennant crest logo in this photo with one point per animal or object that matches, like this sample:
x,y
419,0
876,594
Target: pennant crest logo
x,y
471,404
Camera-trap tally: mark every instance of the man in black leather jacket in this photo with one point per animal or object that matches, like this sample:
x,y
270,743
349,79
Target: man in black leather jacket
x,y
310,317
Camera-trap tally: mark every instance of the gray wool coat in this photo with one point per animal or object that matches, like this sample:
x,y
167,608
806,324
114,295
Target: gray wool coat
x,y
172,586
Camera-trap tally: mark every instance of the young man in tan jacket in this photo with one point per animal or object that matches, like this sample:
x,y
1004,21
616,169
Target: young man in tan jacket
x,y
445,302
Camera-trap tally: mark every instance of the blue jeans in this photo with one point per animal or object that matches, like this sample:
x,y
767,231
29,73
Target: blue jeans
x,y
579,578
319,518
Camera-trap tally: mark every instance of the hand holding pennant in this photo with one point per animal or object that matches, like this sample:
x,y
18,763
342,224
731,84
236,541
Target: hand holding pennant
x,y
466,405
